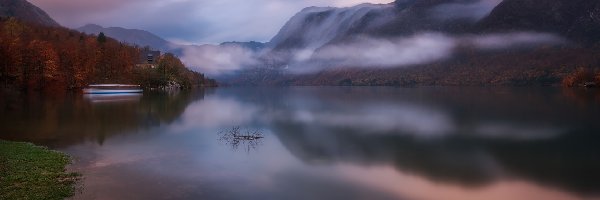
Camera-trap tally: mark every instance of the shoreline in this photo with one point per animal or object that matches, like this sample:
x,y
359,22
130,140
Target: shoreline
x,y
28,171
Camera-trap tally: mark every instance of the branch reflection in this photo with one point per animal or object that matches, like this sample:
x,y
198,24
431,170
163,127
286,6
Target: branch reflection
x,y
247,139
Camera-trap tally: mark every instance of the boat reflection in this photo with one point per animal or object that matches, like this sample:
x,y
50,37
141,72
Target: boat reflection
x,y
64,120
323,143
113,98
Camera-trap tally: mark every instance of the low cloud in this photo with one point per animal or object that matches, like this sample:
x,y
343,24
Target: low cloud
x,y
516,131
414,50
510,40
368,52
217,60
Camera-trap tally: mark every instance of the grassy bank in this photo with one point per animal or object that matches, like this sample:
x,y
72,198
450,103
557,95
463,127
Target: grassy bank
x,y
33,172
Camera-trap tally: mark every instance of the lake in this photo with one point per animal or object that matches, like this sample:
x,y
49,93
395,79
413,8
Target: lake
x,y
321,142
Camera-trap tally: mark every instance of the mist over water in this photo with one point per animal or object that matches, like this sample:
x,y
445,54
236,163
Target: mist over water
x,y
322,142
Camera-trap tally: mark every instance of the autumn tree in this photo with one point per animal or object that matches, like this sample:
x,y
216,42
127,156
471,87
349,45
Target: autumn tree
x,y
38,57
579,77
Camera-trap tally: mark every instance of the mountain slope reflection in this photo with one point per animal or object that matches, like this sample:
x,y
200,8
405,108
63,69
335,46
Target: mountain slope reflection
x,y
324,142
470,136
463,160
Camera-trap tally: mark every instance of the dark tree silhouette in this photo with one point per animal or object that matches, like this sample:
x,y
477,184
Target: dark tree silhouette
x,y
101,38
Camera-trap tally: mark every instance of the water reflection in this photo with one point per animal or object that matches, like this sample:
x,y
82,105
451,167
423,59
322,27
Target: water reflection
x,y
113,98
473,137
63,119
247,139
325,143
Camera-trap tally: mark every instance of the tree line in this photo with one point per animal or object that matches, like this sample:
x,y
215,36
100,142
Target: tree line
x,y
34,57
582,77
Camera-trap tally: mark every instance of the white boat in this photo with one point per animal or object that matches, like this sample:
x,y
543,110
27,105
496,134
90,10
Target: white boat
x,y
112,89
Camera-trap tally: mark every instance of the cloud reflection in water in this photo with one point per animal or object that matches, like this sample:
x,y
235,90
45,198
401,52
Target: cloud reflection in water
x,y
360,143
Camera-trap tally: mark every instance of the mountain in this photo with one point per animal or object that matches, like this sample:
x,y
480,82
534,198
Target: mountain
x,y
252,45
315,27
144,38
432,42
575,19
25,11
132,36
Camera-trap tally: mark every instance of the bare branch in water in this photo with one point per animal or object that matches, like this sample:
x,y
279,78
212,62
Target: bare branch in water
x,y
249,139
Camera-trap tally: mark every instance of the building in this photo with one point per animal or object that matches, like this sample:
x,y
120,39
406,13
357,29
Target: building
x,y
148,59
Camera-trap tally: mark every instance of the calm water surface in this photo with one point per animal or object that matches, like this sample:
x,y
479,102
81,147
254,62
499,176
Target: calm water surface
x,y
321,143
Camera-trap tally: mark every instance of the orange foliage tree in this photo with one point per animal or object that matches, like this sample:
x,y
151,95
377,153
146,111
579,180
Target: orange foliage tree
x,y
38,57
580,77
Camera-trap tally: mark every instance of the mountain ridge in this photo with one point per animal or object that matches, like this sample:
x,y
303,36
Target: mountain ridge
x,y
578,20
25,11
138,37
475,30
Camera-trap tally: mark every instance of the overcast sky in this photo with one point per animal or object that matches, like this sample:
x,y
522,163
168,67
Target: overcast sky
x,y
188,21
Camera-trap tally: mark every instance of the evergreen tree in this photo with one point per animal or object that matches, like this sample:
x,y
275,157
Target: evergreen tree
x,y
101,38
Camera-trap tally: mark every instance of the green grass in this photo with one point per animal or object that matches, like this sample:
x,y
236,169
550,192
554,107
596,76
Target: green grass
x,y
33,172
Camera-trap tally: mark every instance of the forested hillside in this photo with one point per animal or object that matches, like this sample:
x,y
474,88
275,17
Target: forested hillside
x,y
34,56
